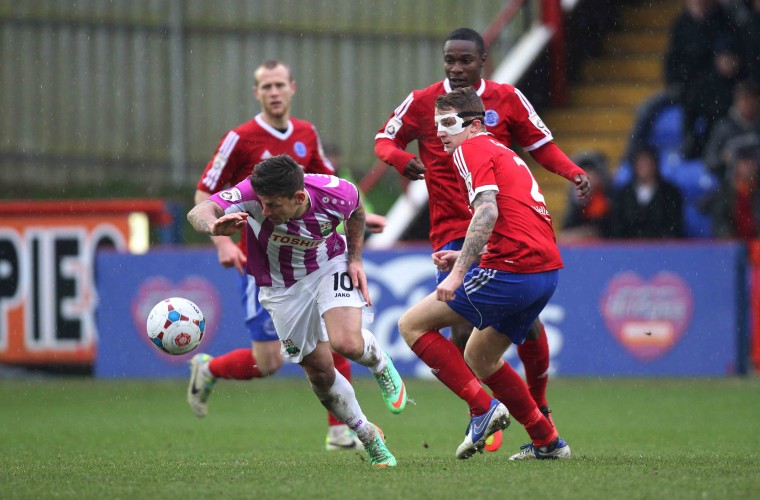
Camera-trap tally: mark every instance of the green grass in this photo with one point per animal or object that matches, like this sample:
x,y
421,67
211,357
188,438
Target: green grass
x,y
631,438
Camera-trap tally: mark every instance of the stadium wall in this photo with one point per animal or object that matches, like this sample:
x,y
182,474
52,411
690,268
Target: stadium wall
x,y
140,91
640,310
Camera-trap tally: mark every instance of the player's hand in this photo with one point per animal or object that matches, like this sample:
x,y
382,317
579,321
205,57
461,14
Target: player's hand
x,y
229,224
375,223
359,280
230,254
446,290
582,186
414,170
444,259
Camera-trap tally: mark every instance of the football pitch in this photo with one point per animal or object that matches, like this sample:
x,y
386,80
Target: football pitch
x,y
631,438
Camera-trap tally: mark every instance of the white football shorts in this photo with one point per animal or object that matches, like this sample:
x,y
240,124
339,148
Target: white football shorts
x,y
297,311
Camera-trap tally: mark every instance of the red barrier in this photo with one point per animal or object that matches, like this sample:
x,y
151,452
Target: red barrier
x,y
156,210
753,255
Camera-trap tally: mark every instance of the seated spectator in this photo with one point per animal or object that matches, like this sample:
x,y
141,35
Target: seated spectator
x,y
648,206
709,97
589,218
742,120
735,208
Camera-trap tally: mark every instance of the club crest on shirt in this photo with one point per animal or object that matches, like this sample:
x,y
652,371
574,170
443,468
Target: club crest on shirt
x,y
231,195
325,228
290,347
491,118
300,149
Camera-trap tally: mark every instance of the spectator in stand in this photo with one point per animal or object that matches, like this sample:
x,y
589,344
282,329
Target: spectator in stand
x,y
742,120
735,208
751,39
648,206
690,50
709,98
745,14
589,217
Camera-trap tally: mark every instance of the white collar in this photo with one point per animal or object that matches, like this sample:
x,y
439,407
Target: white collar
x,y
481,89
280,135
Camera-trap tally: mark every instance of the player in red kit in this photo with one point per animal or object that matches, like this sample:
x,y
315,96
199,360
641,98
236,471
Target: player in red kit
x,y
510,117
511,240
270,133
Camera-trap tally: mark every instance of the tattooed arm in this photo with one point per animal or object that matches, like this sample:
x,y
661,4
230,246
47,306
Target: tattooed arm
x,y
481,227
354,228
209,218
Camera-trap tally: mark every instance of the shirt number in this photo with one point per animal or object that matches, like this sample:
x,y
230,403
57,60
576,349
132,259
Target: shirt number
x,y
534,190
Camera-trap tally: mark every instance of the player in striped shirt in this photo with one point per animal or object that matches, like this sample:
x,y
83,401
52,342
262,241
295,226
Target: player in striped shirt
x,y
312,280
271,132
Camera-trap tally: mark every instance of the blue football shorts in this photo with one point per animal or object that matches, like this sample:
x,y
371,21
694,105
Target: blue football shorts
x,y
257,319
508,302
451,245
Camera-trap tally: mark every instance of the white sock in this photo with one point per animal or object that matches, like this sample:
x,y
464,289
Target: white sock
x,y
340,400
373,356
206,370
335,431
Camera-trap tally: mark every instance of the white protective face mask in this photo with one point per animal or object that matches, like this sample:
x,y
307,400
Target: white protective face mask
x,y
453,123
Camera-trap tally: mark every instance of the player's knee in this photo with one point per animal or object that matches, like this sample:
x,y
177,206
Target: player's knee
x,y
534,333
408,329
321,380
460,334
479,364
349,346
269,364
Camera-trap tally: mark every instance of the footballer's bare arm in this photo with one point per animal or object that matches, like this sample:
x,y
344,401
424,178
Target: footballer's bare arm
x,y
480,229
209,218
354,228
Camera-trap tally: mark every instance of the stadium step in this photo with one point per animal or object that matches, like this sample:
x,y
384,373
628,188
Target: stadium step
x,y
616,94
637,42
611,144
590,120
624,68
651,17
601,106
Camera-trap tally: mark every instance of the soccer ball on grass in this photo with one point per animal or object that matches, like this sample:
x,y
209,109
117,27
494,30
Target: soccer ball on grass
x,y
176,326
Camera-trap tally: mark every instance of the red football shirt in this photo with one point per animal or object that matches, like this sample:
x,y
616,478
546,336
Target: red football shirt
x,y
254,141
522,240
509,117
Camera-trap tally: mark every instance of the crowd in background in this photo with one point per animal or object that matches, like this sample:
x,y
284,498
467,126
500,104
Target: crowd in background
x,y
712,76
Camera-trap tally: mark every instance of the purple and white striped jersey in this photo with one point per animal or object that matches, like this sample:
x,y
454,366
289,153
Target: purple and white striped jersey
x,y
281,255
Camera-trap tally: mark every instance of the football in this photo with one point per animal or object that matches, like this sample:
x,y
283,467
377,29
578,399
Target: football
x,y
176,326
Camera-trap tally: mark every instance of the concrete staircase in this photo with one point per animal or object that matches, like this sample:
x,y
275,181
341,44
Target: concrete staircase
x,y
601,106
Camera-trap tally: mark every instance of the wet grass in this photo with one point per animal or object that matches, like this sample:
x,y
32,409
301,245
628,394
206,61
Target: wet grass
x,y
631,438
